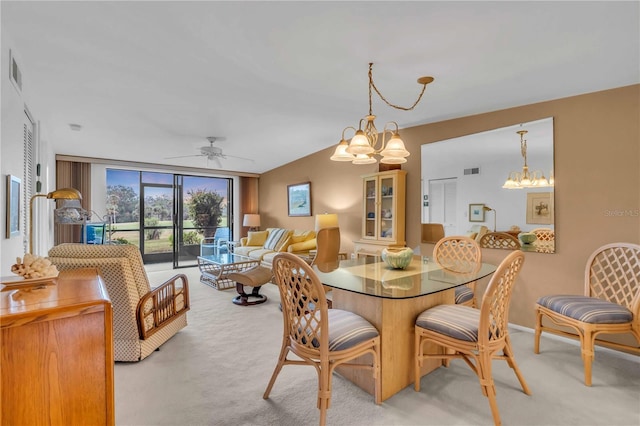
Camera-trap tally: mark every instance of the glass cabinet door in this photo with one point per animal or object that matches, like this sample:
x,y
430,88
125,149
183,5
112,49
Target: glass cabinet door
x,y
371,208
386,208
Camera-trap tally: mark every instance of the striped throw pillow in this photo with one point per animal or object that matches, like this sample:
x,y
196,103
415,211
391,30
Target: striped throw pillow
x,y
275,237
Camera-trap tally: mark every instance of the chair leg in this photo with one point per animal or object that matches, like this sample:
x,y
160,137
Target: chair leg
x,y
511,360
324,393
377,377
487,385
538,332
283,356
586,347
417,361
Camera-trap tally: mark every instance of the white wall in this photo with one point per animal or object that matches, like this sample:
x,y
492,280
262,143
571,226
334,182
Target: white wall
x,y
12,160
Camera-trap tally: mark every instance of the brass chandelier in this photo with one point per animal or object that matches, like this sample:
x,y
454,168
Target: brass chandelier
x,y
526,179
364,145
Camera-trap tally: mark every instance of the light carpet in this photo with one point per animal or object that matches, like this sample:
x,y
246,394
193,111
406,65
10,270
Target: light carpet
x,y
214,372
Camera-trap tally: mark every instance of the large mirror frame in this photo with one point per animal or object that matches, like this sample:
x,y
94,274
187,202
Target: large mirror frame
x,y
463,178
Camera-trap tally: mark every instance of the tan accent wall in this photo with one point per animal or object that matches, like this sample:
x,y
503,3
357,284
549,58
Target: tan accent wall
x,y
597,169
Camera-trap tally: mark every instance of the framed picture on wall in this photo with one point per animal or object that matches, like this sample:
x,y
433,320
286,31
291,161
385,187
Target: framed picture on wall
x,y
540,208
13,206
299,199
476,212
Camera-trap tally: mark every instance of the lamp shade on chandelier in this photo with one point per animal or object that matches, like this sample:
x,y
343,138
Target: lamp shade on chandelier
x,y
365,144
527,179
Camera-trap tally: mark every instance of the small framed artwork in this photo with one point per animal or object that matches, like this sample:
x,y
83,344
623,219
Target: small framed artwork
x,y
13,206
476,212
540,208
299,199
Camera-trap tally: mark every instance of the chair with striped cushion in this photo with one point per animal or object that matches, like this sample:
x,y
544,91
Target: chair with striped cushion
x,y
611,303
462,255
318,336
475,335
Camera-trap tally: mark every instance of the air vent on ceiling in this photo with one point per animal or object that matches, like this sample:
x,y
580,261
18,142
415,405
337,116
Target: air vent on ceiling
x,y
472,171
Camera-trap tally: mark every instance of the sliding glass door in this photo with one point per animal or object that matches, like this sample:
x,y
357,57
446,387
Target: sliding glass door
x,y
177,212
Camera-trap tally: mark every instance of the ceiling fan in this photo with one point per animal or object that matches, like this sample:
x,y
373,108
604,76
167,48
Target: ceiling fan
x,y
212,152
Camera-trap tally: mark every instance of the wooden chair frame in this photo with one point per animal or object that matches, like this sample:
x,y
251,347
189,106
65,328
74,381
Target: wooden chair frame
x,y
493,335
612,273
459,254
305,312
160,305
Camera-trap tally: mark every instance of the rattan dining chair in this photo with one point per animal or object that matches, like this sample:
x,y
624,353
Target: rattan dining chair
x,y
462,255
499,240
544,234
610,304
475,335
321,337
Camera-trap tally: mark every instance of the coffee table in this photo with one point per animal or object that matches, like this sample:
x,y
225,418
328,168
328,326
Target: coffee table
x,y
215,269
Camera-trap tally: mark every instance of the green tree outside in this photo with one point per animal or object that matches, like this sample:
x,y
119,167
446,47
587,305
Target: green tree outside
x,y
205,210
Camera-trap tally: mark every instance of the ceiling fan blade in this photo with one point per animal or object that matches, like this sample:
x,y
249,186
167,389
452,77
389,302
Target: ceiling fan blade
x,y
186,156
240,158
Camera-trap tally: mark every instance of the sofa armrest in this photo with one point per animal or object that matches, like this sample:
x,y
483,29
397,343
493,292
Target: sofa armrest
x,y
162,305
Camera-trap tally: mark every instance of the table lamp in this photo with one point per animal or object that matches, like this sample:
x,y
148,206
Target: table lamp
x,y
327,220
252,221
58,194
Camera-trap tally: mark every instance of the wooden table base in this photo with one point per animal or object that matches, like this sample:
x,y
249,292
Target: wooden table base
x,y
395,320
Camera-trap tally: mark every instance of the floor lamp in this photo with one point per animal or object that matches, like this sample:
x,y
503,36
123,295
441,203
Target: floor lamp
x,y
489,209
58,194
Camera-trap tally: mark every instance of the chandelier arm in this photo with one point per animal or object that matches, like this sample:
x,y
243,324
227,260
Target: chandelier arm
x,y
347,128
372,85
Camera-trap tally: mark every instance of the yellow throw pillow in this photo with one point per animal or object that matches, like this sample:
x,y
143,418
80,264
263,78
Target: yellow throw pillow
x,y
302,246
300,236
297,238
256,238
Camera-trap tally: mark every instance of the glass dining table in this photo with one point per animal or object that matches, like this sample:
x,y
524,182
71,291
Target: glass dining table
x,y
391,300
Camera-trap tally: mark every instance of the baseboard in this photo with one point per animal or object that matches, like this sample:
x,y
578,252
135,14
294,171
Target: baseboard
x,y
620,354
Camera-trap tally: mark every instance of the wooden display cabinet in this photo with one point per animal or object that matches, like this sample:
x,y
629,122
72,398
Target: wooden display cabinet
x,y
383,222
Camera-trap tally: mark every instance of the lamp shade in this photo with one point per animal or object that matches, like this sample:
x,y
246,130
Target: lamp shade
x,y
251,220
327,220
359,144
65,194
341,154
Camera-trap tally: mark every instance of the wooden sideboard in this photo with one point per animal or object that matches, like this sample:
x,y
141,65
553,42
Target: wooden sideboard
x,y
57,352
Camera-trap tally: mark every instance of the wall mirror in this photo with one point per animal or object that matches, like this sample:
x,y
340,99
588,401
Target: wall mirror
x,y
473,185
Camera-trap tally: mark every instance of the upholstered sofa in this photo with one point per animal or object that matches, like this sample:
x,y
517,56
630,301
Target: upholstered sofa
x,y
264,245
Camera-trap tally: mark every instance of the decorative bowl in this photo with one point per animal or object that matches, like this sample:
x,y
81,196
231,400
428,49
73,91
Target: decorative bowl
x,y
527,237
397,258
